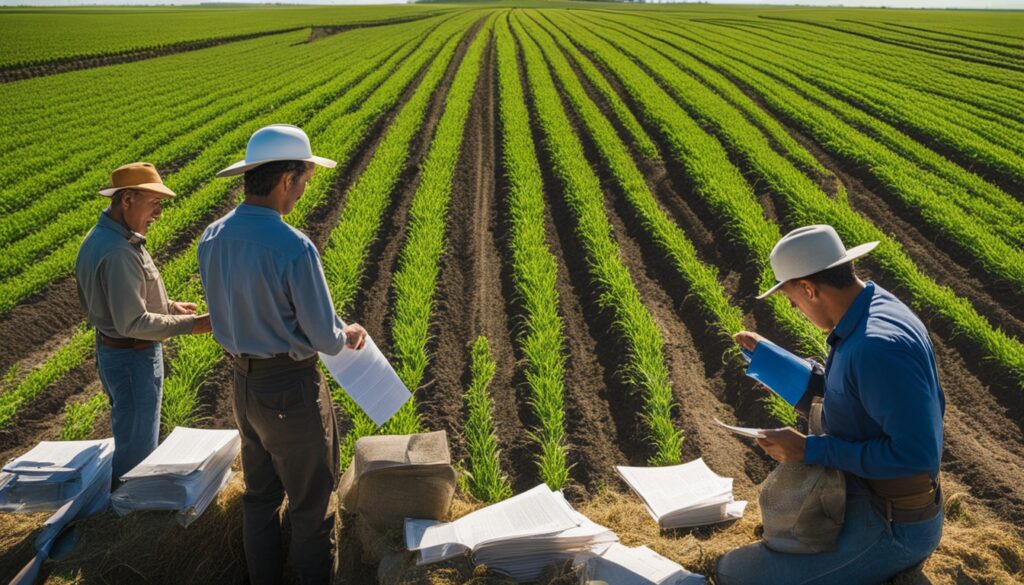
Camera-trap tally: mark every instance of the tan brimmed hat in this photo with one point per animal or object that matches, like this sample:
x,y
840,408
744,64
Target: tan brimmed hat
x,y
810,249
137,175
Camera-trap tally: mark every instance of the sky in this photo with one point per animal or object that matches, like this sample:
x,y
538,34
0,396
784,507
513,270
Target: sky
x,y
978,4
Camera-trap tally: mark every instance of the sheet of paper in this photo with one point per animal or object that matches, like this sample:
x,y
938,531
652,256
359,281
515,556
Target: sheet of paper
x,y
677,487
51,457
367,377
745,431
623,565
534,512
183,452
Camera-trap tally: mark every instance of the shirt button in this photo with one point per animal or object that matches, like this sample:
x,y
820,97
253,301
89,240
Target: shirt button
x,y
280,415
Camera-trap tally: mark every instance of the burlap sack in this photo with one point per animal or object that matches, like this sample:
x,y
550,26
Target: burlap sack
x,y
803,506
393,477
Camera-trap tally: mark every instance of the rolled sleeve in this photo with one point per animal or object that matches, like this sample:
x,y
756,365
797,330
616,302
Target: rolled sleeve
x,y
123,279
314,309
895,389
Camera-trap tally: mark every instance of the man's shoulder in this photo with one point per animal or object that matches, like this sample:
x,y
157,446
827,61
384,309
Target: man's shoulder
x,y
101,243
276,237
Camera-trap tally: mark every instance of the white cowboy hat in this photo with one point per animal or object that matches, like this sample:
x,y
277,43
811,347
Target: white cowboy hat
x,y
810,249
137,175
274,143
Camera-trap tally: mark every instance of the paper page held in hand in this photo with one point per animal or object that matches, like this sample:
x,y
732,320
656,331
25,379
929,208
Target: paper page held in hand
x,y
367,377
744,431
785,373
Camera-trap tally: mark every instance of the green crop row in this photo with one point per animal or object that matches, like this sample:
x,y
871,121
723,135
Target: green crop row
x,y
702,279
809,205
645,368
534,268
345,255
487,483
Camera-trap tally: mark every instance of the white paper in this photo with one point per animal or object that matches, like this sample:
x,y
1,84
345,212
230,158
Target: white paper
x,y
367,377
532,513
679,487
183,452
745,431
55,457
622,565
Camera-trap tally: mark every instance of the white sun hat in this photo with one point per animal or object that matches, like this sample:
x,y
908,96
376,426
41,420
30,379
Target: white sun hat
x,y
274,143
810,249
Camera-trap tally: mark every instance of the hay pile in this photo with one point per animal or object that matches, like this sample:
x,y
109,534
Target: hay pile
x,y
18,534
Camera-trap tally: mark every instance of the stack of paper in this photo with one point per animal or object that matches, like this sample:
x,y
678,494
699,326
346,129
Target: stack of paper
x,y
369,380
519,536
185,473
53,473
684,495
621,565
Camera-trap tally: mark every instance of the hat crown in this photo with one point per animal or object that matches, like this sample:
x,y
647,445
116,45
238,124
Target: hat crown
x,y
139,173
278,142
806,250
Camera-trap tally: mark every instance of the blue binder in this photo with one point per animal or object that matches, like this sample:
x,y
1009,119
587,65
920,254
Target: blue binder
x,y
785,373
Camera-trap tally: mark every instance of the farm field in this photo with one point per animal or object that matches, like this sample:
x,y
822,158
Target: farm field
x,y
551,218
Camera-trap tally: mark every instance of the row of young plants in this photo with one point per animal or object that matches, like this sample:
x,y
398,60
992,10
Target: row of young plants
x,y
227,137
701,279
943,201
902,178
969,191
645,369
808,204
943,38
993,144
486,481
987,100
196,356
541,340
348,247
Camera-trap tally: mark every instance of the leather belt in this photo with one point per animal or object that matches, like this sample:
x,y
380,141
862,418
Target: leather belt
x,y
281,361
125,343
910,499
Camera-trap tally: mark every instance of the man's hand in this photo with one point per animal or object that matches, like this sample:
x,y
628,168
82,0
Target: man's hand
x,y
179,308
748,340
201,324
784,445
355,336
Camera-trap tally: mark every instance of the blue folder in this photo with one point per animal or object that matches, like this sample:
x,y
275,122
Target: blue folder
x,y
785,373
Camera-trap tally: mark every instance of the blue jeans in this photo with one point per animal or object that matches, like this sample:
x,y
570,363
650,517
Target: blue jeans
x,y
134,382
870,550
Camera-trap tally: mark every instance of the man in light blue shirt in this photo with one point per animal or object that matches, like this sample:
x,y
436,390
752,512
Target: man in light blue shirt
x,y
271,309
882,408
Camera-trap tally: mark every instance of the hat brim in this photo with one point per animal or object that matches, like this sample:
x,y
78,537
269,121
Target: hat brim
x,y
158,188
241,166
851,255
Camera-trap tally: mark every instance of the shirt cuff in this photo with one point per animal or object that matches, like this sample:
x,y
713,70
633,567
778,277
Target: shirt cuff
x,y
814,449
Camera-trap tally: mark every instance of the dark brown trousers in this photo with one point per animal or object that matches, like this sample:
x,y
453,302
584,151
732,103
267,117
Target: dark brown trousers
x,y
289,446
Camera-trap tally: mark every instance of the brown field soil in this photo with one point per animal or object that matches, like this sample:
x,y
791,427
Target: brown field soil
x,y
983,461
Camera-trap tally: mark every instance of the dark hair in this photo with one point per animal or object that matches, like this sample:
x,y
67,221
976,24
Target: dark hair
x,y
118,197
840,277
260,180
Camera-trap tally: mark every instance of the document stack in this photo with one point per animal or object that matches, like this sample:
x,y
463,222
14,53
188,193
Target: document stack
x,y
53,473
185,474
681,496
519,536
622,565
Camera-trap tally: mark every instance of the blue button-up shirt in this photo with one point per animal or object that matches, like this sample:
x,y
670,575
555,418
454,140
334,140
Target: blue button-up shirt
x,y
265,287
883,404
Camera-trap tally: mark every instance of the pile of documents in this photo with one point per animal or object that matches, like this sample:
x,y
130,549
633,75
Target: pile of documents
x,y
53,473
519,536
185,474
680,496
622,565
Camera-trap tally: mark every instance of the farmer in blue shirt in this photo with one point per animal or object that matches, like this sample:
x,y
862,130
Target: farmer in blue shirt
x,y
882,408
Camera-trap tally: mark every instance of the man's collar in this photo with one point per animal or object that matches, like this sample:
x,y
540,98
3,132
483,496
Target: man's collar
x,y
134,238
853,315
249,209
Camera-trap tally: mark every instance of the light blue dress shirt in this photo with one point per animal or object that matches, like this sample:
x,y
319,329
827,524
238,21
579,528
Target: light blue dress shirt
x,y
883,403
265,287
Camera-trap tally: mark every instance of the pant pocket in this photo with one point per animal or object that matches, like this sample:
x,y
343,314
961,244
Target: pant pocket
x,y
284,396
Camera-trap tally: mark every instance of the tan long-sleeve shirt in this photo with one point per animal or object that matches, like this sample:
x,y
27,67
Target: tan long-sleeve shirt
x,y
120,287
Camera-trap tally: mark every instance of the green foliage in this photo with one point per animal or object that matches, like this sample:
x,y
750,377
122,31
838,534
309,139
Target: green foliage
x,y
485,479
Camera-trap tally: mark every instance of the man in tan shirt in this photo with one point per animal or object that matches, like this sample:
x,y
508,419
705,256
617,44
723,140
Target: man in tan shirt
x,y
122,292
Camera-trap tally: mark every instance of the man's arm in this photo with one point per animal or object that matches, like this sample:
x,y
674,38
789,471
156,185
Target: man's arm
x,y
895,388
314,308
122,278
